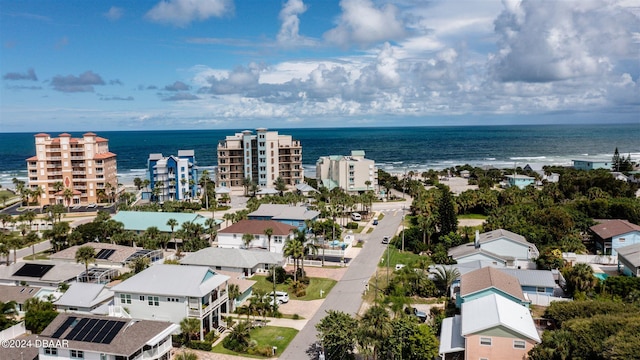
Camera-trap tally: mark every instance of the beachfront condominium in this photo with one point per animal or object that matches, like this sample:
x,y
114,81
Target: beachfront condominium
x,y
353,174
68,170
260,158
173,177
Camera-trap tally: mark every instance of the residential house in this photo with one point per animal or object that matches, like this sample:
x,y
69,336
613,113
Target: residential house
x,y
306,190
233,260
292,215
140,221
232,236
521,181
76,336
20,352
490,327
260,158
172,293
88,298
245,289
19,294
591,164
173,177
501,247
40,273
109,254
489,280
535,282
354,174
610,235
629,260
84,166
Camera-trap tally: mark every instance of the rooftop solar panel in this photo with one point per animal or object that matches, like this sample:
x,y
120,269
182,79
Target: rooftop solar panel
x,y
33,270
63,327
113,332
104,254
96,326
76,329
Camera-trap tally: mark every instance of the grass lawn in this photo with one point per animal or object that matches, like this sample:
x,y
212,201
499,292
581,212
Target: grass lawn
x,y
473,216
313,290
380,216
266,335
39,256
398,257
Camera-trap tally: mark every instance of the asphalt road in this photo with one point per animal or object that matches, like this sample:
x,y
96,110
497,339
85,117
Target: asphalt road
x,y
346,295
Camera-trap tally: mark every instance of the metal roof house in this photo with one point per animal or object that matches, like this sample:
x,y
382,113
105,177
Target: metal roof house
x,y
610,235
231,237
534,281
237,261
290,215
629,260
84,298
76,336
500,247
140,221
173,292
40,273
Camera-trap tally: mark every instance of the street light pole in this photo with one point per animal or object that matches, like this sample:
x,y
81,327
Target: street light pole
x,y
403,228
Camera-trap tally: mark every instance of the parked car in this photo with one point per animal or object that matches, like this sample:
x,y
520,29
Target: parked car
x,y
281,296
375,221
421,315
385,240
356,216
92,205
76,207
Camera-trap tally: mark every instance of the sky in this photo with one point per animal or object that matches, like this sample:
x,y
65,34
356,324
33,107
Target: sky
x,y
230,64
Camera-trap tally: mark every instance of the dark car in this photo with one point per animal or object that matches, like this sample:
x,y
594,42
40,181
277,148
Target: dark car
x,y
375,221
385,240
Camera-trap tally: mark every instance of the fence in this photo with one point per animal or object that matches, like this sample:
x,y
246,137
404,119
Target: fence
x,y
13,332
590,259
544,300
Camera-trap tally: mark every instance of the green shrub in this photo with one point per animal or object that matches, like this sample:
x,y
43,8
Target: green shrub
x,y
281,275
211,337
296,317
352,225
199,345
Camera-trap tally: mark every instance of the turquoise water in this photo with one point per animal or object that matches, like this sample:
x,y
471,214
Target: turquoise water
x,y
601,276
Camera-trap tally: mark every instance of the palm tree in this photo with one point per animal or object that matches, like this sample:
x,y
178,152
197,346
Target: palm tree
x,y
190,327
152,234
85,254
68,195
268,232
186,355
246,240
227,217
172,223
13,242
445,277
580,278
211,227
295,249
374,329
4,251
234,292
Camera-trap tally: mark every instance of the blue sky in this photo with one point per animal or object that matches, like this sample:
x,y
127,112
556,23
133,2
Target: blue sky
x,y
189,64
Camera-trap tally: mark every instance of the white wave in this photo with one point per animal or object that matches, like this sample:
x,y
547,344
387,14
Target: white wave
x,y
528,158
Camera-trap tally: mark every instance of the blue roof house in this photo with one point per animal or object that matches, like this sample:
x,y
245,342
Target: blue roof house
x,y
521,181
591,165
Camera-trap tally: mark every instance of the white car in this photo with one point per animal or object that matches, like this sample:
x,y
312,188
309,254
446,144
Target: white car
x,y
281,296
356,216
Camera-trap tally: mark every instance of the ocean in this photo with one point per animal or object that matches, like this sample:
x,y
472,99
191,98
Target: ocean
x,y
395,149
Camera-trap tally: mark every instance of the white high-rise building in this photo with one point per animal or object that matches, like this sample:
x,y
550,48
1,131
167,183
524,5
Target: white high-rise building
x,y
353,173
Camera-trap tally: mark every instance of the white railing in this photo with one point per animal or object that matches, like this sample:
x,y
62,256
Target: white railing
x,y
118,311
591,259
214,304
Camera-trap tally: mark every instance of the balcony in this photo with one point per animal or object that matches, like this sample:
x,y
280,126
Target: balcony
x,y
77,158
206,310
155,352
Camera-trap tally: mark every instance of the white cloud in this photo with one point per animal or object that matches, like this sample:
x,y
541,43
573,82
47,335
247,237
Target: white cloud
x,y
114,13
289,31
362,23
182,12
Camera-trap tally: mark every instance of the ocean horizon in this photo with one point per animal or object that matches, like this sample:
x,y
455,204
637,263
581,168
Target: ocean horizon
x,y
395,149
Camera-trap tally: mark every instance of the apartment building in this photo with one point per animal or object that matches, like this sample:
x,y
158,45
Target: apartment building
x,y
70,170
353,173
261,158
173,177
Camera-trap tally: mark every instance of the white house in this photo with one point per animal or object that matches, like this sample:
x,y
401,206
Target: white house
x,y
75,336
85,298
172,293
232,236
501,247
236,261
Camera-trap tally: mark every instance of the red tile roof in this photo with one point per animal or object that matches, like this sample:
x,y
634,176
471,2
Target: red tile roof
x,y
257,227
64,135
104,155
610,228
41,135
32,158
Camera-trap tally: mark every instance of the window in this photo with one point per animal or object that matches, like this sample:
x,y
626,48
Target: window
x,y
519,344
485,341
153,301
171,299
51,351
141,297
76,354
540,290
125,298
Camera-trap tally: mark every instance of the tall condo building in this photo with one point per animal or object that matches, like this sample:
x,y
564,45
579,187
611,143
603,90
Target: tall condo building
x,y
68,170
173,177
353,174
260,158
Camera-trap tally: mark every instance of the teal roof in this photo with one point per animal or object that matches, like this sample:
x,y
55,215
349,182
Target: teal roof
x,y
357,153
329,184
142,220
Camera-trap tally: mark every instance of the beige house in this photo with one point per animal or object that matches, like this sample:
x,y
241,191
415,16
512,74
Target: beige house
x,y
261,157
84,166
353,173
